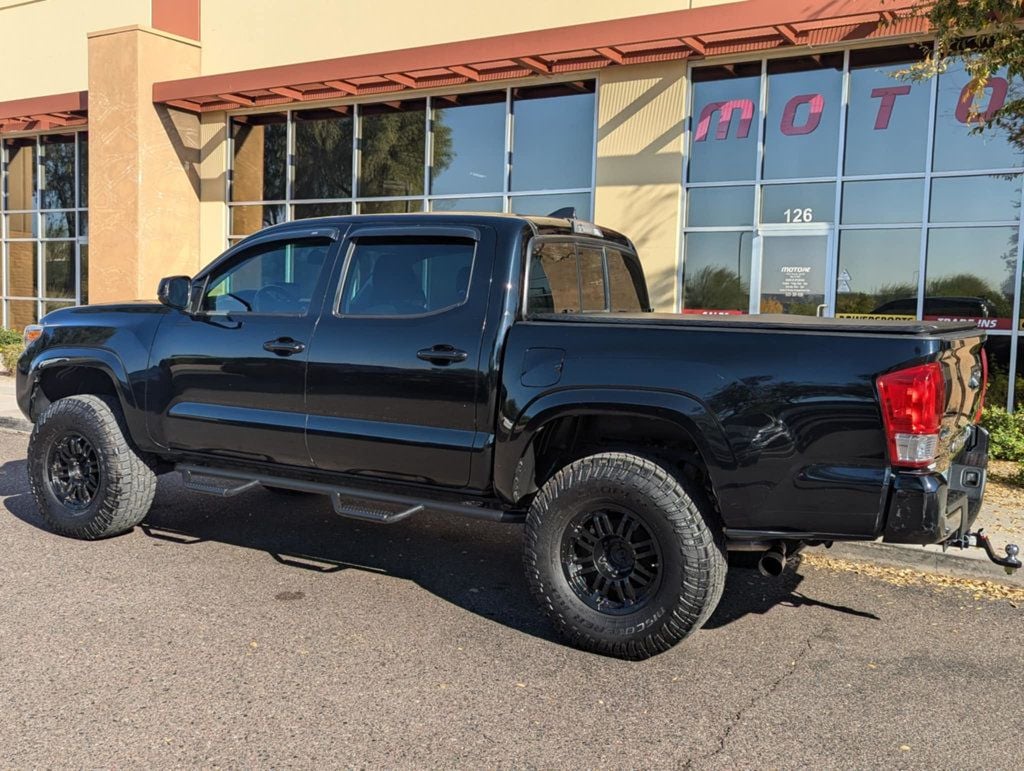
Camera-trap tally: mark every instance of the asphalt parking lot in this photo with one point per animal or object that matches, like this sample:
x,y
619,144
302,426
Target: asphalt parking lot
x,y
265,631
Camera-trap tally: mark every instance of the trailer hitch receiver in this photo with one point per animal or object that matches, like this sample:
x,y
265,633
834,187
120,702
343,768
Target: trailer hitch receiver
x,y
1010,563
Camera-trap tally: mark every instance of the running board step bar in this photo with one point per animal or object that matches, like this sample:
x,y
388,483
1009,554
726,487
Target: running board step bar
x,y
346,500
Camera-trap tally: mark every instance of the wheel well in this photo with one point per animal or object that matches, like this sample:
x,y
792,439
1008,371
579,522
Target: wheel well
x,y
72,381
570,438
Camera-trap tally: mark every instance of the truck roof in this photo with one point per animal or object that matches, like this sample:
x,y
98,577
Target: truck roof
x,y
547,226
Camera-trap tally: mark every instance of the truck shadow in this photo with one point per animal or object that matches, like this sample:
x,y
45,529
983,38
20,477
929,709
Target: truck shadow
x,y
473,565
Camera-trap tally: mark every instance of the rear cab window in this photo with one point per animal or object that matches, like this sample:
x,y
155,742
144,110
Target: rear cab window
x,y
583,276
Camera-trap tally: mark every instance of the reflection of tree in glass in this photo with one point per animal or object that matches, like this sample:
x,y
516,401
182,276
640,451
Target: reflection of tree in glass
x,y
392,153
967,285
323,158
716,288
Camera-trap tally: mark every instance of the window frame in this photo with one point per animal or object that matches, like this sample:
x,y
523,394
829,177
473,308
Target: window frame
x,y
352,241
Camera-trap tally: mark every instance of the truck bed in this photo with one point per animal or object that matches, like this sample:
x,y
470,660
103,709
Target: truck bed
x,y
777,322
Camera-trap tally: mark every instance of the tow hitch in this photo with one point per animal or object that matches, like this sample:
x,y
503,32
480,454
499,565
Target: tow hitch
x,y
1009,563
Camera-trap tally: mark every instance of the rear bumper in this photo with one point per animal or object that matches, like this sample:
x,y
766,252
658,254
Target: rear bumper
x,y
934,507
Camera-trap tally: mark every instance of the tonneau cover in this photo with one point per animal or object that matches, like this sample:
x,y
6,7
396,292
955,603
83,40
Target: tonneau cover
x,y
769,321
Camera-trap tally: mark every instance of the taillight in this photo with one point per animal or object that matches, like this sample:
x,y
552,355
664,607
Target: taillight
x,y
984,385
913,403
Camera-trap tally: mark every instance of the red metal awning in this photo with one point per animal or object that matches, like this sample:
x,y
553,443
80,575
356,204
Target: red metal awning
x,y
740,27
44,112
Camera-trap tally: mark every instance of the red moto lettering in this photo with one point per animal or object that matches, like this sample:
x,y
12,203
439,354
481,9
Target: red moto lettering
x,y
816,103
888,96
997,88
725,111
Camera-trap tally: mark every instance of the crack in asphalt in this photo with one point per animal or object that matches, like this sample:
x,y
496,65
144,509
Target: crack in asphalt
x,y
737,718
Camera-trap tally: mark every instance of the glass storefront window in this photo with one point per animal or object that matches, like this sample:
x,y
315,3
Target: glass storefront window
x,y
957,147
246,220
882,202
307,210
490,204
886,123
717,271
552,143
971,274
544,205
797,204
258,169
45,224
720,206
323,154
976,199
468,145
723,124
878,272
57,183
802,126
392,149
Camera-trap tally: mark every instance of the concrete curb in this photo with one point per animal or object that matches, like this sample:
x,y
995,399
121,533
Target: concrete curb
x,y
15,424
969,563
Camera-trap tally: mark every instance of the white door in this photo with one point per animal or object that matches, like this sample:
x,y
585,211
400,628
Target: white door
x,y
792,272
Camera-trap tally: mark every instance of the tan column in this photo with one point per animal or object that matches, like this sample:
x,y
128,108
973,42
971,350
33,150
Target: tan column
x,y
640,165
143,165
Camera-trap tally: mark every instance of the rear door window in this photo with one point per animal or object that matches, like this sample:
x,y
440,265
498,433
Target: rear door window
x,y
406,276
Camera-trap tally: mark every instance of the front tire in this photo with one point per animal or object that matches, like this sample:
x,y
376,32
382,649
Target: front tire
x,y
623,558
87,479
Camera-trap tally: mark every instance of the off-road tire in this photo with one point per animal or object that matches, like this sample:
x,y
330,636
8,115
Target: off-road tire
x,y
678,517
126,482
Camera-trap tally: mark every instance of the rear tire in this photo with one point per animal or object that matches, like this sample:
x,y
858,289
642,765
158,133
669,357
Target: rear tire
x,y
87,479
623,558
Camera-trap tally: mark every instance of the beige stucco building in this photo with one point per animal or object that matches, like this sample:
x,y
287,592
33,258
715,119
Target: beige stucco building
x,y
762,154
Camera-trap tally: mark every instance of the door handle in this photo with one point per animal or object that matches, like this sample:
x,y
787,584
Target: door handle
x,y
442,354
284,346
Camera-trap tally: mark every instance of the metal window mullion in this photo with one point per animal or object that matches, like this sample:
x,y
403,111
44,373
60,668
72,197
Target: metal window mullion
x,y
755,251
593,154
357,151
506,201
289,171
1015,332
922,263
428,151
684,218
832,259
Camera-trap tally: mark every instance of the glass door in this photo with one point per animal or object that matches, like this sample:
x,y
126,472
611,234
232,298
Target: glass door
x,y
792,272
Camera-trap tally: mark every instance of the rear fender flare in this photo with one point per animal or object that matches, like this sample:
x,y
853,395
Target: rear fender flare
x,y
690,415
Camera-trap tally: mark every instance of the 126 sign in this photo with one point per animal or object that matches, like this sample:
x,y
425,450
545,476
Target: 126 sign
x,y
792,125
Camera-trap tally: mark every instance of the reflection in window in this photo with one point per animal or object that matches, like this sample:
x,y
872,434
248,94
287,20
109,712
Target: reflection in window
x,y
22,269
802,127
878,272
392,149
307,210
882,202
717,271
57,186
544,205
720,206
468,144
407,276
798,204
591,267
21,173
956,147
246,220
975,199
552,146
554,281
626,284
723,127
260,154
887,122
391,207
489,204
323,154
971,273
59,268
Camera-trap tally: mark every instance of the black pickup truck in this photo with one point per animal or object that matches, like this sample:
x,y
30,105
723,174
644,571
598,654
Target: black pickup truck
x,y
510,368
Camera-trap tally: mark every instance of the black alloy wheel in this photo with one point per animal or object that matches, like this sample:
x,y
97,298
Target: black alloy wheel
x,y
611,560
74,471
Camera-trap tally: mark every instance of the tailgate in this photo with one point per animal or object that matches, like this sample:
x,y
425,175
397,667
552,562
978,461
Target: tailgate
x,y
965,371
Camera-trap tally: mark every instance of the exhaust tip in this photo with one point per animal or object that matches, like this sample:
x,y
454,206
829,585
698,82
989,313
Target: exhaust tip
x,y
771,564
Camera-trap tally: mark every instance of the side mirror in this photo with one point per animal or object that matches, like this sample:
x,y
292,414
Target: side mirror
x,y
174,291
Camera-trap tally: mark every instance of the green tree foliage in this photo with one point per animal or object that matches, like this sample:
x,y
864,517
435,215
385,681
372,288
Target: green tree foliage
x,y
986,37
718,288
